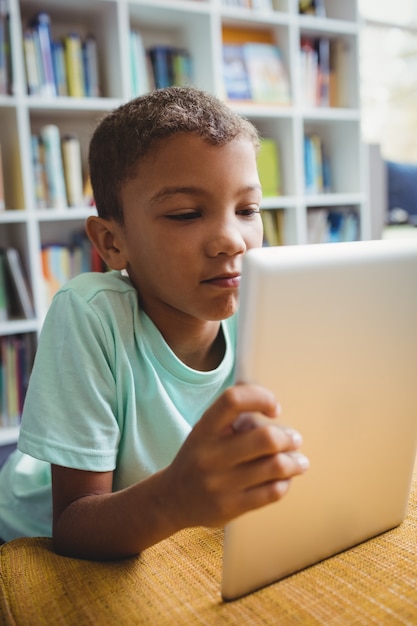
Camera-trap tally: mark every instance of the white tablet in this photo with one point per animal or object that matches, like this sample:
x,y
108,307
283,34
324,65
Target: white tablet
x,y
332,330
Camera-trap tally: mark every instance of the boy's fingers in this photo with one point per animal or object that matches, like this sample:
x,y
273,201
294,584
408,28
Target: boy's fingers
x,y
283,466
263,441
236,400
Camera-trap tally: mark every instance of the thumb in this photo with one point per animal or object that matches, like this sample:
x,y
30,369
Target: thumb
x,y
238,399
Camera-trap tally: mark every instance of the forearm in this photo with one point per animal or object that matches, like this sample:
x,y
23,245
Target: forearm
x,y
117,525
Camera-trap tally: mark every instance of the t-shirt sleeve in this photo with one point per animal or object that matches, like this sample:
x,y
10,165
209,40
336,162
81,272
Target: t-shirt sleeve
x,y
70,411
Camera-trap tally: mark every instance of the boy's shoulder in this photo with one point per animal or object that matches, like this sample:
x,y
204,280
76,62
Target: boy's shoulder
x,y
88,285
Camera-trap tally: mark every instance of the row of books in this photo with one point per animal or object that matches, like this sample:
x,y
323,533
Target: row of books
x,y
255,71
315,71
6,86
312,7
16,358
157,66
323,70
15,295
61,262
324,225
327,225
316,165
273,223
57,169
59,67
269,167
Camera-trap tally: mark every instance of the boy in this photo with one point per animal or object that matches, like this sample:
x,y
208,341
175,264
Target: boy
x,y
131,406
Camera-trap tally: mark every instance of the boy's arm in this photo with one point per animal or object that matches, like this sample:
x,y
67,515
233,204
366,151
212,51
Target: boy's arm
x,y
217,475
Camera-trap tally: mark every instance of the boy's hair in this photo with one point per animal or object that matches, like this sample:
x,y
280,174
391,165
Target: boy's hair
x,y
130,132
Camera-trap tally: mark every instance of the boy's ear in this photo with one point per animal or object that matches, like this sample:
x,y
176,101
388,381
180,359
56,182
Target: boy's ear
x,y
105,235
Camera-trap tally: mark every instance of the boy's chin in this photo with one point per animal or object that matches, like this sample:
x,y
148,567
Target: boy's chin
x,y
224,314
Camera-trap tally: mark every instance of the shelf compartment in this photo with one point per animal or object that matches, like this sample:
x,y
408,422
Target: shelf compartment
x,y
184,27
96,18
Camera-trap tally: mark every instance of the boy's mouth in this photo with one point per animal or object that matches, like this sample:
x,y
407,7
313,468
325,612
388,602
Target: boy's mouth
x,y
229,281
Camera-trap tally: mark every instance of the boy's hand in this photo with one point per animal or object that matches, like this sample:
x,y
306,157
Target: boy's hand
x,y
231,463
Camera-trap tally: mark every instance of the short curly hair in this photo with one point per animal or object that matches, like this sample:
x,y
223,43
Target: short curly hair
x,y
131,131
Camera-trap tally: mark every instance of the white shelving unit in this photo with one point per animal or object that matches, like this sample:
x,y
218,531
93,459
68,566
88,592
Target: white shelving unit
x,y
197,26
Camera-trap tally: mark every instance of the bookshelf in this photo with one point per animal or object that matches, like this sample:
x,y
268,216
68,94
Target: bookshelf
x,y
198,26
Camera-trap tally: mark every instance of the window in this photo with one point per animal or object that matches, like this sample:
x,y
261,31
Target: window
x,y
388,68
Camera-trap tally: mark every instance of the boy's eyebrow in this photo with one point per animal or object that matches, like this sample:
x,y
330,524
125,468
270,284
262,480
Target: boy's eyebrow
x,y
167,192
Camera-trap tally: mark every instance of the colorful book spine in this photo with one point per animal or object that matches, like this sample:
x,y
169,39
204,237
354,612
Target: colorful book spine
x,y
39,176
317,173
21,305
91,67
235,73
182,67
4,306
57,197
33,76
71,157
161,59
58,58
269,167
139,66
5,78
41,25
74,65
16,356
329,225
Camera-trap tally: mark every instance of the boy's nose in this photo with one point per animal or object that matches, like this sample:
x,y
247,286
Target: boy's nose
x,y
226,240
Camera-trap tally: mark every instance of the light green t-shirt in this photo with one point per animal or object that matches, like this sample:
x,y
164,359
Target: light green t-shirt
x,y
106,394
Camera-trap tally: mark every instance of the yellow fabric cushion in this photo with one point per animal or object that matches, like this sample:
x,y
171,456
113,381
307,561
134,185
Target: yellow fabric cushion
x,y
178,582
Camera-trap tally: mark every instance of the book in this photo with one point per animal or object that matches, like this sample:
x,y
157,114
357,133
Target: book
x,y
272,220
91,67
161,60
308,71
39,176
34,78
74,65
16,358
334,224
139,67
88,192
2,192
235,73
5,78
309,166
58,58
21,299
41,26
340,95
312,7
182,67
54,169
4,306
71,158
267,73
241,35
315,70
55,269
322,45
316,165
269,170
317,225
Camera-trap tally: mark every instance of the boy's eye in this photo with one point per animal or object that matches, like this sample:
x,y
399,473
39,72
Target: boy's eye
x,y
249,212
182,217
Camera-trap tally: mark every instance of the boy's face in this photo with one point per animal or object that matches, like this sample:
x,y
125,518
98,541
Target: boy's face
x,y
190,214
